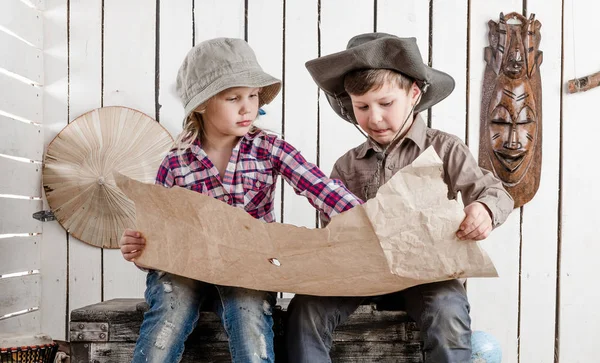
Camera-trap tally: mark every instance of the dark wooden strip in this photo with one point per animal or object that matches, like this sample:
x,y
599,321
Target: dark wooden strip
x,y
560,184
351,352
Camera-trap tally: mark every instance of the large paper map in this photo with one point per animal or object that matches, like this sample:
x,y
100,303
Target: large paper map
x,y
403,237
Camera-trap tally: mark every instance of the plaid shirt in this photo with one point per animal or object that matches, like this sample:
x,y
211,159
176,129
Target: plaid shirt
x,y
251,176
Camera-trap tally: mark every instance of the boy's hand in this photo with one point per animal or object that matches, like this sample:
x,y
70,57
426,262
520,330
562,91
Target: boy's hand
x,y
132,243
477,224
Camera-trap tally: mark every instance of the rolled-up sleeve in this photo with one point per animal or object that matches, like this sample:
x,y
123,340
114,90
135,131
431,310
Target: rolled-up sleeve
x,y
476,184
327,195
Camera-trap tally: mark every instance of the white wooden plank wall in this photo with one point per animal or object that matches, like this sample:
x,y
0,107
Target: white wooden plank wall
x,y
128,78
540,216
84,37
55,244
340,20
541,308
21,80
265,36
578,268
495,302
301,115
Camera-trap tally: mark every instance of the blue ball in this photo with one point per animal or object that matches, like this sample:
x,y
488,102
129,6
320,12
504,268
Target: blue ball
x,y
485,348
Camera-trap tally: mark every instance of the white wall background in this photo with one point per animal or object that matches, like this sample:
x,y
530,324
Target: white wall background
x,y
542,308
21,150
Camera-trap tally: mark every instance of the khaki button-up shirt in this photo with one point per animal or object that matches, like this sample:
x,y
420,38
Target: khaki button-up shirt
x,y
358,169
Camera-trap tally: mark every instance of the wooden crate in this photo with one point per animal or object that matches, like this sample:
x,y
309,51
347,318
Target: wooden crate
x,y
107,331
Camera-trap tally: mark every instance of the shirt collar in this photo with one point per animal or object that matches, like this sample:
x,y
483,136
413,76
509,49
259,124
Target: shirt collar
x,y
417,133
196,146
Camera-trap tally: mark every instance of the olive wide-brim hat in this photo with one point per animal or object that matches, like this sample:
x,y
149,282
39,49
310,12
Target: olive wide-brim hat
x,y
219,64
377,51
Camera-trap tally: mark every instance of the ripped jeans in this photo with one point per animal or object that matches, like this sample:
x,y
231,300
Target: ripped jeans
x,y
174,311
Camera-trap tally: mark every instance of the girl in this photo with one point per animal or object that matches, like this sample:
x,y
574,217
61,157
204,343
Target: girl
x,y
220,153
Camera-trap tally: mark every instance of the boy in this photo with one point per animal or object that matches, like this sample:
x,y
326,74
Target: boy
x,y
379,83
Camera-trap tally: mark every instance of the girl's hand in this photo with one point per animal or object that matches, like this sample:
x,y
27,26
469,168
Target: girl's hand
x,y
477,224
132,244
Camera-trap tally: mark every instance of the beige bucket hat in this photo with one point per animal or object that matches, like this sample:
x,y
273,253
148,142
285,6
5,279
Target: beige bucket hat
x,y
218,64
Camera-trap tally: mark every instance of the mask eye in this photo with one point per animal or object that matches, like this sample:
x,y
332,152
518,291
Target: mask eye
x,y
500,116
500,121
526,116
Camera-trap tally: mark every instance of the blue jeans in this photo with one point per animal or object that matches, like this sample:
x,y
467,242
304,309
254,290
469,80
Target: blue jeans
x,y
441,311
174,311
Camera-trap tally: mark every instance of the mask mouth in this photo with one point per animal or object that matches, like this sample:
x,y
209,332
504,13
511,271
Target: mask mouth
x,y
511,159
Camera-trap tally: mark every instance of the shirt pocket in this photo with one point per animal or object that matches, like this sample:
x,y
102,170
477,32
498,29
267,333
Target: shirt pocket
x,y
363,185
258,187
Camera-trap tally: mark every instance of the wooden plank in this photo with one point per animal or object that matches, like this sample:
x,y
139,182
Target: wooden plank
x,y
20,178
21,139
493,298
368,336
449,54
85,83
217,18
300,122
55,283
539,246
175,23
17,216
340,21
38,4
123,352
124,317
20,58
406,19
135,88
376,352
23,100
54,248
24,21
265,36
80,352
22,324
19,293
219,352
18,254
579,314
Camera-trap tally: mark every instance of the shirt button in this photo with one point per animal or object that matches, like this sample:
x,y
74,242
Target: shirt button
x,y
258,184
226,198
391,166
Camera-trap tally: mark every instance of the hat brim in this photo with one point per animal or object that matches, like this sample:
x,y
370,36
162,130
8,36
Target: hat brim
x,y
269,84
398,54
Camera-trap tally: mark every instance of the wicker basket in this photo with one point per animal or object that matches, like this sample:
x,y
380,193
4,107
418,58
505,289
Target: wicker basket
x,y
36,349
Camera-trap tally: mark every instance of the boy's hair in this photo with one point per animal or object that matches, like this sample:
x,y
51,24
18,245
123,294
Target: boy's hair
x,y
362,81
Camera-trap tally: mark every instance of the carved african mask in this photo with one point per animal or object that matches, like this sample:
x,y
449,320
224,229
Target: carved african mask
x,y
511,112
512,126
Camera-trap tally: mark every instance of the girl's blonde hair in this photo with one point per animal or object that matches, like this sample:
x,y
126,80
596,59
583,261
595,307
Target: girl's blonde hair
x,y
193,128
